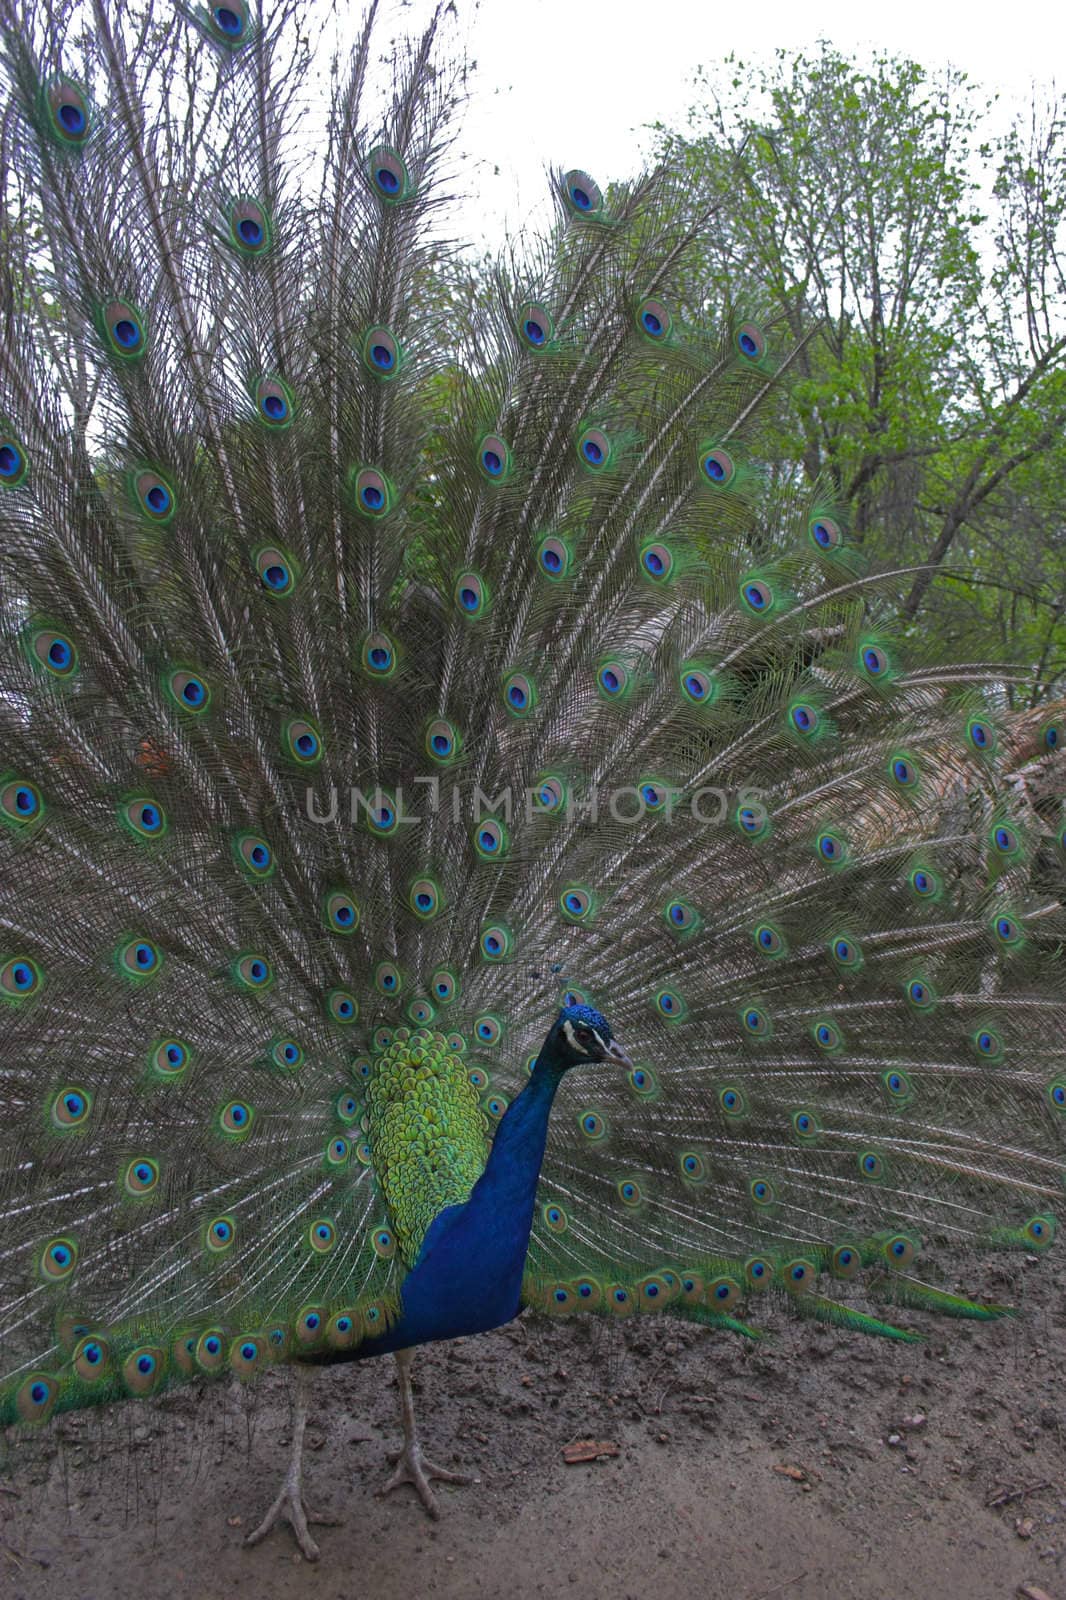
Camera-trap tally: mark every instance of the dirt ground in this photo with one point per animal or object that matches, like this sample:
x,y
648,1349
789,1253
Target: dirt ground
x,y
814,1466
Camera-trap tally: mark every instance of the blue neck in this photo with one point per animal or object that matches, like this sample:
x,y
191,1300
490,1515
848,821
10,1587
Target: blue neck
x,y
509,1181
468,1276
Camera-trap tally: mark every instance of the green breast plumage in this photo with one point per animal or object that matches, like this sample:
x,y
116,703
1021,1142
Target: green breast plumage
x,y
427,1133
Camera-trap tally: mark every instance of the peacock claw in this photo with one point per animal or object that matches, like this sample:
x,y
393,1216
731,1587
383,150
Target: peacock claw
x,y
413,1467
289,1507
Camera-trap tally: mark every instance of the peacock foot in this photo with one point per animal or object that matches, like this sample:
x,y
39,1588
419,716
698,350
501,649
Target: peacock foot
x,y
289,1507
413,1467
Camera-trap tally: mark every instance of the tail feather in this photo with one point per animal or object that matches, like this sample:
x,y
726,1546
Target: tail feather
x,y
346,693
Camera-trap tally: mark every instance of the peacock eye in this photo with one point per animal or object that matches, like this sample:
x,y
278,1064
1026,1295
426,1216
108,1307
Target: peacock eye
x,y
584,1036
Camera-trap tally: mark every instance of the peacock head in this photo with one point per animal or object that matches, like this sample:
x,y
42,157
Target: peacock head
x,y
580,1035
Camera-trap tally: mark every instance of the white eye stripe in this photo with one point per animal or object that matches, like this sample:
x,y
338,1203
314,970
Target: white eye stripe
x,y
568,1029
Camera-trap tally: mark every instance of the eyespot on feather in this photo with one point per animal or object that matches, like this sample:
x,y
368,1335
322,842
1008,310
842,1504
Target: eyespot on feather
x,y
250,229
374,494
494,458
14,462
68,114
228,23
153,495
654,320
534,325
123,329
582,194
388,175
382,353
51,650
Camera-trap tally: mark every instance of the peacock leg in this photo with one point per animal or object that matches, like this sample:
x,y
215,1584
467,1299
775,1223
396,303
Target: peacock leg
x,y
289,1503
411,1465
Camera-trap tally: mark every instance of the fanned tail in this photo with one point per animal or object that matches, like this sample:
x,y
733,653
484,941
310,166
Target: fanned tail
x,y
358,710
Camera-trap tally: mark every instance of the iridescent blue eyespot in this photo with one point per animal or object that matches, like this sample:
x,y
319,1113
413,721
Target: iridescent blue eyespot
x,y
799,1275
845,952
519,694
496,943
594,449
534,325
229,22
751,341
58,1260
140,958
718,467
442,741
488,1030
124,332
988,1044
732,1102
141,1176
845,1261
582,193
341,1006
654,320
143,1370
554,557
490,839
642,1081
657,561
669,1005
612,679
769,941
221,1234
19,978
592,1125
53,651
20,802
12,464
91,1359
1005,840
189,691
826,533
444,986
168,1059
236,1118
898,1085
388,175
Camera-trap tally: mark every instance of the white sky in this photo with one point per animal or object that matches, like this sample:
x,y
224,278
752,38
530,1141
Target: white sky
x,y
572,81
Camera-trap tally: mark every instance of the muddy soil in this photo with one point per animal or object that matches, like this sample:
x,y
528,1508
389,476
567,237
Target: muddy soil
x,y
815,1465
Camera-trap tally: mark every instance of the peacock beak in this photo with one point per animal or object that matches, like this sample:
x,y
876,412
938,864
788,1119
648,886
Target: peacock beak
x,y
616,1054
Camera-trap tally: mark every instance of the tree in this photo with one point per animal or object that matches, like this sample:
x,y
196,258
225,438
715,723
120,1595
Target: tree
x,y
934,397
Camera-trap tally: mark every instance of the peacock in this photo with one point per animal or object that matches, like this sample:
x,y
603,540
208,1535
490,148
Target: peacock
x,y
468,845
